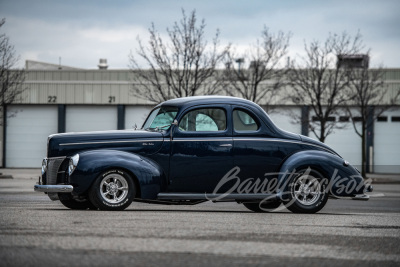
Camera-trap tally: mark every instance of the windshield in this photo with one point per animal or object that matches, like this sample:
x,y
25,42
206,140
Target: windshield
x,y
160,118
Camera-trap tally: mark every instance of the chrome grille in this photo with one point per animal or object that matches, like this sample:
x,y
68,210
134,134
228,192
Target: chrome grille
x,y
53,164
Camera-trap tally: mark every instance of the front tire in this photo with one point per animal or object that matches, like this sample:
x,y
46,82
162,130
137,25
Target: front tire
x,y
74,204
306,192
112,190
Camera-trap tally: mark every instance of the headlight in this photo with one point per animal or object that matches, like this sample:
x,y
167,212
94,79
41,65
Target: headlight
x,y
44,166
73,162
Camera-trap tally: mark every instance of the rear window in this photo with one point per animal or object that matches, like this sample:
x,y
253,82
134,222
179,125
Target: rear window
x,y
243,121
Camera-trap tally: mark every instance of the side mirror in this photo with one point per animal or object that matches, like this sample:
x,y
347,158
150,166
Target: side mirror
x,y
174,123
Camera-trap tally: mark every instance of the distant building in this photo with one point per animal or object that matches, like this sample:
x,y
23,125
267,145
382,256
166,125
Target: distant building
x,y
66,99
353,61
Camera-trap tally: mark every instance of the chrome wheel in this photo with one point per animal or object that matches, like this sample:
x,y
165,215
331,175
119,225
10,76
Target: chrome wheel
x,y
307,190
114,188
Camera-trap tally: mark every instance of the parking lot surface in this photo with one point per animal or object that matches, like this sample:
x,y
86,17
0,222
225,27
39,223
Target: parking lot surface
x,y
34,231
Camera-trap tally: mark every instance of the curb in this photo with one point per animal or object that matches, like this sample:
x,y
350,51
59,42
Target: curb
x,y
384,181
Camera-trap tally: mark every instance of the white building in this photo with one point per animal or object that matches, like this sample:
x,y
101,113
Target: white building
x,y
64,99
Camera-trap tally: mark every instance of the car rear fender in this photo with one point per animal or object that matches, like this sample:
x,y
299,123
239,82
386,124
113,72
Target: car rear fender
x,y
341,178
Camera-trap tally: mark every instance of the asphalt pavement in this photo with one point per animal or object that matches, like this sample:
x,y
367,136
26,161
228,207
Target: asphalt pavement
x,y
35,231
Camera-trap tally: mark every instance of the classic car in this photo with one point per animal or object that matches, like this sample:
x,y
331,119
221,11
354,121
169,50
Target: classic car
x,y
196,149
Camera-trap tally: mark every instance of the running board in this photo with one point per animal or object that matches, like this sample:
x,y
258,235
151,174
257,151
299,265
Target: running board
x,y
215,197
363,197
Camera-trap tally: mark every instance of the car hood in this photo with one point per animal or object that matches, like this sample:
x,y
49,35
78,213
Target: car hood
x,y
314,142
135,141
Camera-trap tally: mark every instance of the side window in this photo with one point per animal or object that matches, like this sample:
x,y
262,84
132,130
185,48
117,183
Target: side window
x,y
244,121
203,120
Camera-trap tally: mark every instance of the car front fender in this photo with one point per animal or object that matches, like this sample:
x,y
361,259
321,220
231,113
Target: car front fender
x,y
342,179
148,175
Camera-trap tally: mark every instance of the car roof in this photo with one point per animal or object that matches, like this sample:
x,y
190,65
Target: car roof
x,y
198,100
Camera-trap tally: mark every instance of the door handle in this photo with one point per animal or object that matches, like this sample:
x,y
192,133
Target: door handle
x,y
226,145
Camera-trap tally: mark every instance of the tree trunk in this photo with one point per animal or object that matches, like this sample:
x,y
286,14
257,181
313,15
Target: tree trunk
x,y
363,152
322,132
3,123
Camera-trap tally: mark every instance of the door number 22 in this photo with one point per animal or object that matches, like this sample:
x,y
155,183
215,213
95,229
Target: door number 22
x,y
51,99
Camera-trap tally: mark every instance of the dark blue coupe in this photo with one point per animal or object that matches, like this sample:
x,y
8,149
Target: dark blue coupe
x,y
196,149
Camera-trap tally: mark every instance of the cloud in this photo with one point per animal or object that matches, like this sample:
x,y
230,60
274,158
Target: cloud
x,y
77,46
82,31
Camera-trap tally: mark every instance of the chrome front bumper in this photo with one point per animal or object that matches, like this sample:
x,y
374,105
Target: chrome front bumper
x,y
54,188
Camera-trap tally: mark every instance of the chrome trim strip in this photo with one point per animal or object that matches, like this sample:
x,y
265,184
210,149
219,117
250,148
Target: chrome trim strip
x,y
202,140
228,139
281,140
105,131
53,188
110,142
356,197
55,158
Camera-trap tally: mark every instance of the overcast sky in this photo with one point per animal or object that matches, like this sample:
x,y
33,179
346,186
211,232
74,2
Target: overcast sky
x,y
82,32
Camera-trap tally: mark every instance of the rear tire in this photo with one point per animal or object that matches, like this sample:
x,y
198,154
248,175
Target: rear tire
x,y
264,207
306,192
73,204
112,190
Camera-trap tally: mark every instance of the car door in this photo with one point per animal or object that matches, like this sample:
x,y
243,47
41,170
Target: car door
x,y
256,152
201,149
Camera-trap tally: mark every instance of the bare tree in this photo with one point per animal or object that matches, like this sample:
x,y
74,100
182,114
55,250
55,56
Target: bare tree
x,y
11,78
370,97
182,66
263,77
318,82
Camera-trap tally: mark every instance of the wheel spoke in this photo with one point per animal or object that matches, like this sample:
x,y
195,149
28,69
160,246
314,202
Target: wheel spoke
x,y
310,182
122,188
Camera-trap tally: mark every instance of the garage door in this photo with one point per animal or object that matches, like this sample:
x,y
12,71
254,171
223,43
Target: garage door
x,y
26,134
90,118
344,141
387,143
135,114
347,143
